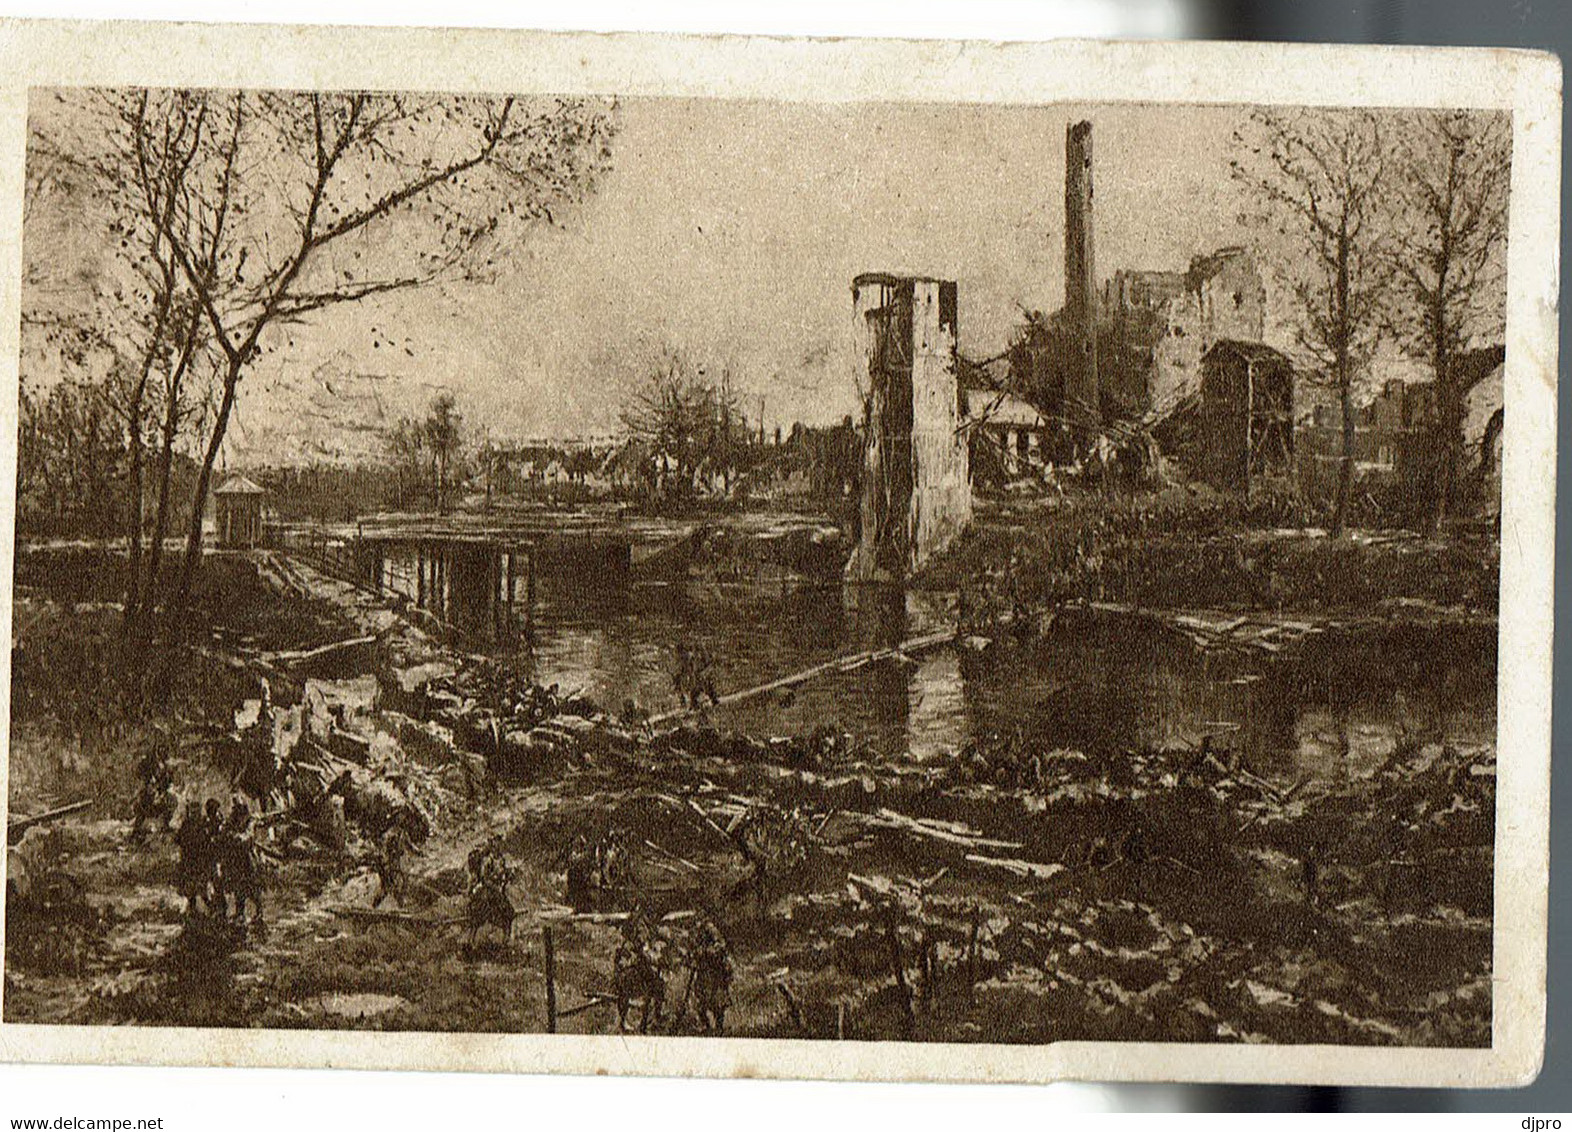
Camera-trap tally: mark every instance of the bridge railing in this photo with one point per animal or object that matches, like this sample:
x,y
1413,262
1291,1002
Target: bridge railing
x,y
335,557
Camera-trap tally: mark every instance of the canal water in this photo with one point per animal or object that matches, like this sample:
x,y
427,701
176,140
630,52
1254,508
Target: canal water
x,y
1334,705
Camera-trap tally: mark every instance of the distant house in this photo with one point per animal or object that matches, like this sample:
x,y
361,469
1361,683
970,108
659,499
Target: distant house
x,y
237,513
1395,437
812,464
1247,414
629,469
1009,434
1391,430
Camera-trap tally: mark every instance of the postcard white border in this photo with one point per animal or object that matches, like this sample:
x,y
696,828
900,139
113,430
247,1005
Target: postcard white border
x,y
1526,83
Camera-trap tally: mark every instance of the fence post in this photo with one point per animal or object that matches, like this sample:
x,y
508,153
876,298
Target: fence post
x,y
551,979
971,950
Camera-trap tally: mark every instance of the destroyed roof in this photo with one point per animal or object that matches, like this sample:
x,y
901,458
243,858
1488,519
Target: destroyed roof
x,y
239,485
1203,267
891,279
994,406
1250,351
1162,285
974,374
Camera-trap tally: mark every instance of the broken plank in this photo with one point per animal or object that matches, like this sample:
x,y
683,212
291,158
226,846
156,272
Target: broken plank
x,y
591,1003
1039,869
566,916
15,827
349,913
297,656
839,664
946,833
663,851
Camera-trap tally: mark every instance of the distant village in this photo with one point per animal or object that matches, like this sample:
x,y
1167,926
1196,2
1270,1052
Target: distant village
x,y
1169,370
1143,376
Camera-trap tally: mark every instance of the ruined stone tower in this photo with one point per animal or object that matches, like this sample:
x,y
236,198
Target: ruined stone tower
x,y
1080,278
916,490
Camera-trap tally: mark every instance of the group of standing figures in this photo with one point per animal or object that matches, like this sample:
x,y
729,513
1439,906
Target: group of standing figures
x,y
221,845
219,870
641,968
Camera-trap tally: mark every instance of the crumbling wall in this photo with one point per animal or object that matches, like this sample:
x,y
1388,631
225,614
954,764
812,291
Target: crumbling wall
x,y
1225,297
941,501
916,489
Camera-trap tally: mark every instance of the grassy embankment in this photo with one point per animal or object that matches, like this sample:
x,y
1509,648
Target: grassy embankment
x,y
1133,894
1190,548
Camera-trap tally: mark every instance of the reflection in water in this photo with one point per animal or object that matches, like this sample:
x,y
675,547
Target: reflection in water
x,y
936,706
1337,706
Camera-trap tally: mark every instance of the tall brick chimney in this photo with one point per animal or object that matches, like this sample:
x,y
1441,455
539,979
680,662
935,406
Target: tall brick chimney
x,y
1080,276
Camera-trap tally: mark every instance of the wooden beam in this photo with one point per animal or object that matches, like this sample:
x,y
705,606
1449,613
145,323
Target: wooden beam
x,y
296,656
839,664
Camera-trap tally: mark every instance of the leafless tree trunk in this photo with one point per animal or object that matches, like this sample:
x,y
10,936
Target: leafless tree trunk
x,y
1449,262
1319,177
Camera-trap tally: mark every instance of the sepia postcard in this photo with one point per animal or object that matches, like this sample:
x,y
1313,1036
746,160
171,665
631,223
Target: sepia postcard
x,y
754,557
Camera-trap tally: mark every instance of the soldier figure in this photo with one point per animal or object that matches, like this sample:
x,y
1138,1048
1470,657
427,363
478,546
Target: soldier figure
x,y
257,770
704,678
636,975
495,873
487,865
611,861
194,875
238,873
155,799
682,678
393,847
710,973
489,904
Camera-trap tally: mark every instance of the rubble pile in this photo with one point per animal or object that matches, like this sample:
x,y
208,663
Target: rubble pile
x,y
823,746
521,729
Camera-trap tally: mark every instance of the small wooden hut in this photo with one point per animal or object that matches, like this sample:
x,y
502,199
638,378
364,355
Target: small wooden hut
x,y
1247,411
237,513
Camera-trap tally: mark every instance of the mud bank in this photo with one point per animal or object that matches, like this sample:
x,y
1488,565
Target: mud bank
x,y
1006,892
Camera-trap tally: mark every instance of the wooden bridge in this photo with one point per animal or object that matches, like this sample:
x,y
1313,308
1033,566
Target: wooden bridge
x,y
478,573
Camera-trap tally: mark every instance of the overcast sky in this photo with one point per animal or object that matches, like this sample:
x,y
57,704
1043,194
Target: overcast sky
x,y
732,230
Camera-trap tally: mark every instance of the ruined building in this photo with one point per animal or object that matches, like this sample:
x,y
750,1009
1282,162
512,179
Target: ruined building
x,y
916,490
1168,320
1082,398
1132,346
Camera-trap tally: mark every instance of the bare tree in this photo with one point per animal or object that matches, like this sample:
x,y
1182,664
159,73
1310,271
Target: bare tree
x,y
688,421
1449,260
443,434
1320,179
106,169
298,202
154,143
407,447
665,413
